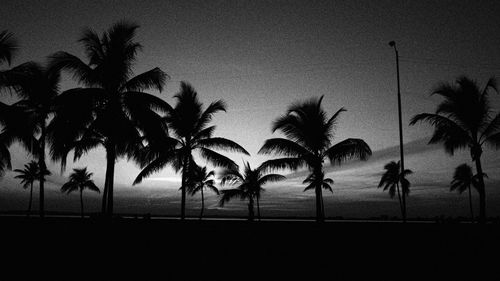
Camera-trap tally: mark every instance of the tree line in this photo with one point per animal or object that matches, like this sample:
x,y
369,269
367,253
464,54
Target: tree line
x,y
112,109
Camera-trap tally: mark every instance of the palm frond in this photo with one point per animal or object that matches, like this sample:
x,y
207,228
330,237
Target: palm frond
x,y
270,178
282,163
347,150
8,46
446,131
223,144
152,79
217,159
81,71
283,147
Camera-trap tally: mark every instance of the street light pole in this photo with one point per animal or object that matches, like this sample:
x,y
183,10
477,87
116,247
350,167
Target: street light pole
x,y
402,164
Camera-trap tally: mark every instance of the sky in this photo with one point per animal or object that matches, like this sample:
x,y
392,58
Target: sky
x,y
260,56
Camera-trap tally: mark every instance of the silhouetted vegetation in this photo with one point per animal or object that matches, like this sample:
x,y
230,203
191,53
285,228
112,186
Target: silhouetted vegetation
x,y
309,134
248,186
189,123
464,121
199,180
392,178
26,121
28,176
80,180
112,110
463,179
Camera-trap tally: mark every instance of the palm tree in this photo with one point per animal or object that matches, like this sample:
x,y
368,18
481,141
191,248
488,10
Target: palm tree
x,y
314,180
463,179
249,186
8,46
308,142
26,120
28,176
464,120
189,123
198,180
390,181
112,111
80,180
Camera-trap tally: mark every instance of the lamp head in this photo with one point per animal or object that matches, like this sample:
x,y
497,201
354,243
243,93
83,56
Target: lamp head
x,y
392,43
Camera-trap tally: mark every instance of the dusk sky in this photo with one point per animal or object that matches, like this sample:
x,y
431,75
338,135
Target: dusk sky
x,y
260,56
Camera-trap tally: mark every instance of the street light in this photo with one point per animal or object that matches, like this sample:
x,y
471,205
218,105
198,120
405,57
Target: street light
x,y
393,44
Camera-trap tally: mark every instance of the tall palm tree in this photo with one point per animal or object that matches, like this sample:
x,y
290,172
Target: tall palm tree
x,y
464,120
26,120
309,134
189,123
463,179
8,46
392,178
28,176
249,186
80,180
199,180
112,111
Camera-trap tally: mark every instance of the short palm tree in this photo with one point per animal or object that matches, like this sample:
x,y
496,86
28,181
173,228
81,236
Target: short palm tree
x,y
309,134
392,178
314,180
80,180
199,180
463,179
28,176
26,120
189,123
113,111
249,186
464,120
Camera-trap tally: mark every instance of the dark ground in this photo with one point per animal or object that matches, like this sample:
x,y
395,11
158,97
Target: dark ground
x,y
139,249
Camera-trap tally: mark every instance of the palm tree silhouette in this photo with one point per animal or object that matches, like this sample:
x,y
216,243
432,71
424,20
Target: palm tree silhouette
x,y
390,181
198,180
112,111
28,176
189,123
308,142
8,46
26,120
314,180
463,120
80,180
249,186
463,179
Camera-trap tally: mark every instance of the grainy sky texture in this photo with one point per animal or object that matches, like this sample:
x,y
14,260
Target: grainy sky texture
x,y
260,56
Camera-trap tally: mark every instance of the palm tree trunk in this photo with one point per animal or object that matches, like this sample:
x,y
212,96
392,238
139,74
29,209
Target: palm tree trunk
x,y
320,216
81,203
202,204
31,200
42,167
470,205
258,207
105,195
481,190
185,171
250,210
110,173
400,203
